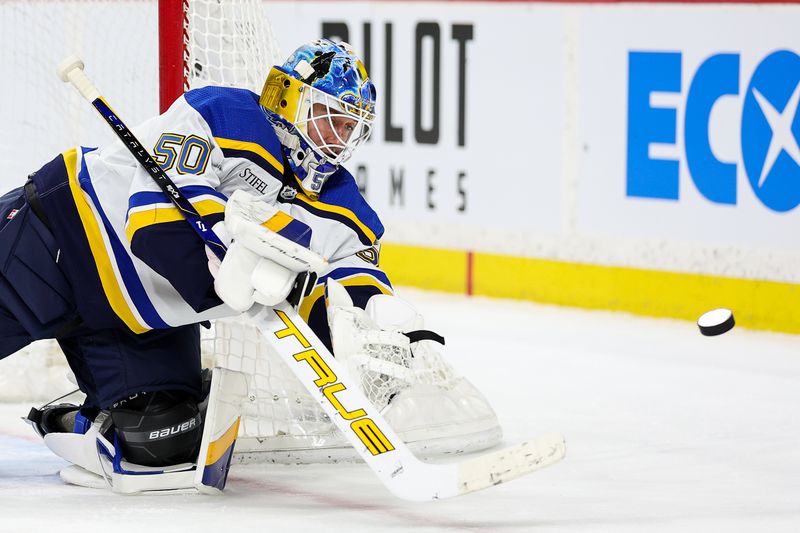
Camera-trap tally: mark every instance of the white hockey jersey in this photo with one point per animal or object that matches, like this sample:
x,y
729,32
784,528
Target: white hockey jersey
x,y
144,258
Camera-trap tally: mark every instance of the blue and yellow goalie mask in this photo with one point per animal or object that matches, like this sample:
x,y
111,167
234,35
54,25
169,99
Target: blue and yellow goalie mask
x,y
322,103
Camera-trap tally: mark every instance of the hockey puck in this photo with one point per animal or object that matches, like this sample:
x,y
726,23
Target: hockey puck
x,y
716,322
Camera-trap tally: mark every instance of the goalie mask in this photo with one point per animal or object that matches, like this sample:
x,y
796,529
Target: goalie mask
x,y
322,104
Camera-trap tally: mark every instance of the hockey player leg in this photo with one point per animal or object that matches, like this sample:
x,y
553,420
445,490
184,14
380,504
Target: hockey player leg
x,y
139,444
153,447
150,440
208,470
154,442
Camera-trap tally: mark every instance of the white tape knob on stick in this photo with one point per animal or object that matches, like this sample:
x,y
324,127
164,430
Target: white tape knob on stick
x,y
70,70
716,322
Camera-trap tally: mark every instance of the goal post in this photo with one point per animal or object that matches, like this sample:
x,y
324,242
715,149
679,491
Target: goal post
x,y
171,48
219,42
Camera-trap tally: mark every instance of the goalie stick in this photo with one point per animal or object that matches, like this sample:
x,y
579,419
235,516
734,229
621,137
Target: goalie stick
x,y
319,372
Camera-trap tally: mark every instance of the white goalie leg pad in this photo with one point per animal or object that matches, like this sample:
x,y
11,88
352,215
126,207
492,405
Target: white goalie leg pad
x,y
427,403
223,415
128,478
209,473
79,449
75,475
97,463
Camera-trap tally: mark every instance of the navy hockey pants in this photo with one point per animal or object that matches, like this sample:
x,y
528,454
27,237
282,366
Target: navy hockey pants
x,y
36,302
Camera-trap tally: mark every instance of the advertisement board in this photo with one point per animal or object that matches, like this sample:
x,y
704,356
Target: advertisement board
x,y
688,138
467,145
640,157
614,155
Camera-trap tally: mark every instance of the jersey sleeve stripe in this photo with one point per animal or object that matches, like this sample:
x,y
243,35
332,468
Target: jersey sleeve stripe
x,y
167,213
152,197
130,277
340,214
251,151
349,277
138,318
343,273
108,279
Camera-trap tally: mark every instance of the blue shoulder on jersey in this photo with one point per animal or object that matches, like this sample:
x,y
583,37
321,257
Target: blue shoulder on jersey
x,y
342,201
239,125
241,129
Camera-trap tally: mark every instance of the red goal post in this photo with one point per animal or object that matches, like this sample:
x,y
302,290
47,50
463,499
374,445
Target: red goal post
x,y
172,51
219,42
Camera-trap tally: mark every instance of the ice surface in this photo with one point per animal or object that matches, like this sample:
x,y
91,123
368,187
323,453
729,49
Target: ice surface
x,y
666,430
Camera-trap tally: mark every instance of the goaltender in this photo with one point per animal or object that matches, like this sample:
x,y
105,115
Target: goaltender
x,y
96,256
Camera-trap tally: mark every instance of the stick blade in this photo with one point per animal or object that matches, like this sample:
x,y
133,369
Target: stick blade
x,y
510,463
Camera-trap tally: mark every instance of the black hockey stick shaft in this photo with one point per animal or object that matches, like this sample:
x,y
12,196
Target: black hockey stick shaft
x,y
71,70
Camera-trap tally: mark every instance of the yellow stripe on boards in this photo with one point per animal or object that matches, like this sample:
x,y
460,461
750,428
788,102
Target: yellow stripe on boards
x,y
108,277
757,304
159,215
441,270
247,146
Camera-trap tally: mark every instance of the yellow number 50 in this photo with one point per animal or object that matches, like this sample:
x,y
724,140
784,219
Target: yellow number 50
x,y
190,153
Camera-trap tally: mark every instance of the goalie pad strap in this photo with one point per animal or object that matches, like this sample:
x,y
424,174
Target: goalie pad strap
x,y
33,200
424,335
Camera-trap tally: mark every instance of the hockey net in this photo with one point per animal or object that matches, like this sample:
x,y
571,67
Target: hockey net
x,y
221,42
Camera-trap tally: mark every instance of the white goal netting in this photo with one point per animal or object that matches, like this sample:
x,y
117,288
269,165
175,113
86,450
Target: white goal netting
x,y
227,42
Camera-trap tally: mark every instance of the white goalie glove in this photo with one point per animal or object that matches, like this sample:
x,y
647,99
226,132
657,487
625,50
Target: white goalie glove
x,y
268,249
376,343
398,365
